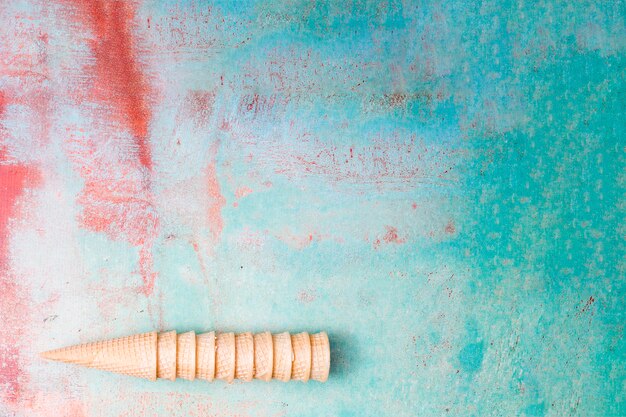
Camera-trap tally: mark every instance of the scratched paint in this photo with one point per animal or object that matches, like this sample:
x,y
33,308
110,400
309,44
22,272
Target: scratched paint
x,y
439,185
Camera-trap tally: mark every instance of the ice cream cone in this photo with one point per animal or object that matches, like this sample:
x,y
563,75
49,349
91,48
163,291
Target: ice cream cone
x,y
244,352
186,356
263,356
206,356
166,345
225,357
320,357
301,368
283,356
205,350
132,355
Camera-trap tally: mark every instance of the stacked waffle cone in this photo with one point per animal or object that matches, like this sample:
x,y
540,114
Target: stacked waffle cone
x,y
207,356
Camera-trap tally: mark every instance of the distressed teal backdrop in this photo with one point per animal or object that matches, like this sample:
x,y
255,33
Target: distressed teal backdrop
x,y
438,184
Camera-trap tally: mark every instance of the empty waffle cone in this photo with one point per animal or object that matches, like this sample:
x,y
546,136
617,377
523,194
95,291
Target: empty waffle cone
x,y
263,356
301,368
225,357
166,366
320,357
205,349
186,356
132,355
244,351
283,356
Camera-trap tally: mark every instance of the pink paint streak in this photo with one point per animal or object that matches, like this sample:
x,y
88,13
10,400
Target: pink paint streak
x,y
199,107
390,161
118,81
14,179
300,241
256,104
2,103
390,237
241,192
214,212
11,373
307,297
117,199
450,228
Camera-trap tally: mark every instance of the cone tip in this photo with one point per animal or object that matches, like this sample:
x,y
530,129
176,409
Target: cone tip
x,y
48,355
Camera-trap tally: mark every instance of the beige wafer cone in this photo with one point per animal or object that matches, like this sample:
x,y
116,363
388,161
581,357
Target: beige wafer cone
x,y
225,357
205,351
320,357
301,368
166,366
207,356
283,356
244,352
132,355
186,356
263,356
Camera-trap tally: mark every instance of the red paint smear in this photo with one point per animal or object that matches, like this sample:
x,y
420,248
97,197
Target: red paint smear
x,y
301,241
118,80
146,265
116,200
306,297
117,206
242,192
214,213
10,373
450,228
397,160
199,107
75,409
2,103
256,104
391,236
14,179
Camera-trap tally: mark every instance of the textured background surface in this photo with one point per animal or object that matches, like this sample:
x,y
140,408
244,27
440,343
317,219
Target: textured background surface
x,y
438,184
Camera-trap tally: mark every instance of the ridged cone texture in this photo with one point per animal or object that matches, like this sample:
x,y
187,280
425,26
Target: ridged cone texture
x,y
320,357
186,356
283,356
205,349
132,355
263,356
206,356
301,367
166,368
225,357
244,352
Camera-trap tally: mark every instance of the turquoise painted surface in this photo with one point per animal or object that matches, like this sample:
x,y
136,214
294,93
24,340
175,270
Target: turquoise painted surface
x,y
439,185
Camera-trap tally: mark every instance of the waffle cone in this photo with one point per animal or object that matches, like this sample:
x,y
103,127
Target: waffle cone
x,y
263,356
301,368
320,357
283,356
166,366
186,356
206,356
225,357
244,353
132,355
205,351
